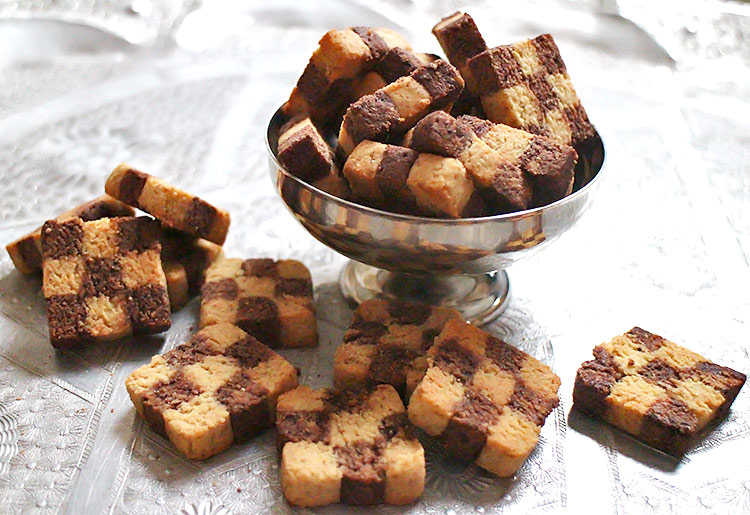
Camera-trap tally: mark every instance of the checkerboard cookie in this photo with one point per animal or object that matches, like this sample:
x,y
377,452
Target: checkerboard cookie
x,y
26,252
271,300
396,63
461,40
103,279
525,85
395,108
339,61
387,343
171,206
349,447
303,151
400,179
515,169
218,388
185,260
483,398
550,165
500,179
654,389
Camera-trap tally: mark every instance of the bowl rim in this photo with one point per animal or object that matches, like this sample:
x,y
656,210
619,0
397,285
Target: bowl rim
x,y
513,216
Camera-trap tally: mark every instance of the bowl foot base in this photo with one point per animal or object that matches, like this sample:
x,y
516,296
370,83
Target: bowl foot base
x,y
479,298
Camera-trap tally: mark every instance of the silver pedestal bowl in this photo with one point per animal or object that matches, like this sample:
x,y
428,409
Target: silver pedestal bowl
x,y
457,263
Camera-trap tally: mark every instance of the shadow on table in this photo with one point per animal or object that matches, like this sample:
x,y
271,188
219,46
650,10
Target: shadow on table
x,y
621,442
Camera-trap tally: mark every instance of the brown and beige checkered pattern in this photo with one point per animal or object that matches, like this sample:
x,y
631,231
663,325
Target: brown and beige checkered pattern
x,y
219,387
346,446
483,398
387,343
395,108
272,300
103,279
26,252
170,205
340,60
654,389
526,85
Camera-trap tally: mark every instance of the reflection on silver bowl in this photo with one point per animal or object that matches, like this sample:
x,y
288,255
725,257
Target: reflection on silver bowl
x,y
458,263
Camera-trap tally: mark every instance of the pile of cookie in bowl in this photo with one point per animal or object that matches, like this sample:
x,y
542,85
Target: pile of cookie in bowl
x,y
487,131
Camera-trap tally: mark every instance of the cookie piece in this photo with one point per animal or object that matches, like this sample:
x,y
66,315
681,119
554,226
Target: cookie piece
x,y
550,165
461,40
400,179
350,447
303,151
103,279
219,387
396,63
171,206
395,108
271,300
387,343
501,180
483,398
525,85
340,59
26,252
652,388
185,260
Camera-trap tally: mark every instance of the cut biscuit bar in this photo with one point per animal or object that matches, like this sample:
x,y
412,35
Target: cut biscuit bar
x,y
387,343
550,164
350,447
340,59
525,85
654,389
185,260
501,179
219,387
396,63
395,108
171,206
103,279
518,168
461,40
303,151
400,179
26,252
484,399
272,300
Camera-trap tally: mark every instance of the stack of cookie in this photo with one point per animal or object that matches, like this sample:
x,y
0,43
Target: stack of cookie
x,y
487,131
107,273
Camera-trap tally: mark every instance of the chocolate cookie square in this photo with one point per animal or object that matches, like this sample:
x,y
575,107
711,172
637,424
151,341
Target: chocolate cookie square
x,y
103,279
351,447
654,389
387,343
272,300
485,400
218,388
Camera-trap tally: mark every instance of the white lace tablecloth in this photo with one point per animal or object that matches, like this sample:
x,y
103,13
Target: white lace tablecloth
x,y
184,91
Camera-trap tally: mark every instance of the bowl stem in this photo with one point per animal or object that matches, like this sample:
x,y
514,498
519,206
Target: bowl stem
x,y
480,298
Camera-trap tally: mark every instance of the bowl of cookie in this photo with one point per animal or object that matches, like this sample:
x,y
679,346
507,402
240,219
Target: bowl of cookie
x,y
434,175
